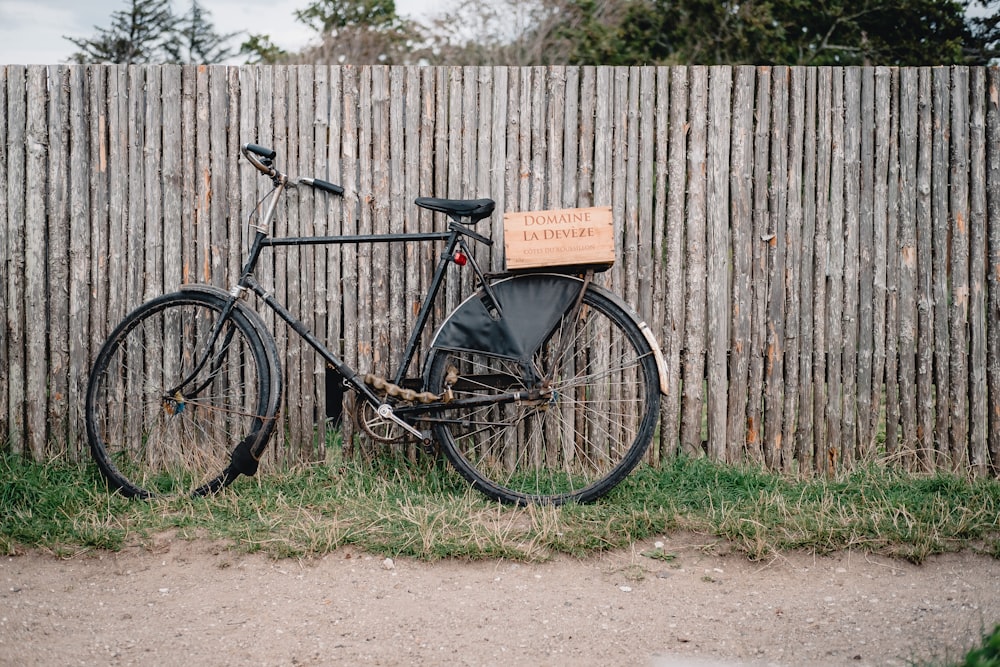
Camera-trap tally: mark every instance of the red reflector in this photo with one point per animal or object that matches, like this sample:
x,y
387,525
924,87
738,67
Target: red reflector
x,y
461,259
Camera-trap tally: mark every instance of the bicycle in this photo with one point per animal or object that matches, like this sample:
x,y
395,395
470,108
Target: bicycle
x,y
540,387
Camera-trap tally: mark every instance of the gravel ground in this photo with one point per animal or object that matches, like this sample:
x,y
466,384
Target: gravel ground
x,y
180,603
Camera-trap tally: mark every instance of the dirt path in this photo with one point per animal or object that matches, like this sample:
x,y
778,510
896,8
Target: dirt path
x,y
198,603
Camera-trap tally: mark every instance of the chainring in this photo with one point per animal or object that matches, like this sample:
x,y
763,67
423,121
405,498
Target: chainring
x,y
376,427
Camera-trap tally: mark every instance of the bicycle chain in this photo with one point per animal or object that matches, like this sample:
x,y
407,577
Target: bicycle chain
x,y
394,390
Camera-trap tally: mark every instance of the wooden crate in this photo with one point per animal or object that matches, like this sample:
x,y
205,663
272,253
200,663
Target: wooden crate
x,y
566,237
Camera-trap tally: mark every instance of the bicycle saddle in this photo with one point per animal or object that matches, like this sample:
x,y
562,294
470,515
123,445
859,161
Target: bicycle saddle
x,y
474,209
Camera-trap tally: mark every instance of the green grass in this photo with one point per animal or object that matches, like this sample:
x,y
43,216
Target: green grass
x,y
395,507
987,655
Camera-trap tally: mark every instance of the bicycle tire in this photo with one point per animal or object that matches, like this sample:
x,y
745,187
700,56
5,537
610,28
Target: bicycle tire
x,y
577,444
149,442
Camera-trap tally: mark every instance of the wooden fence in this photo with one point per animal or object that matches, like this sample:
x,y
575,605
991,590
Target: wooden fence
x,y
818,249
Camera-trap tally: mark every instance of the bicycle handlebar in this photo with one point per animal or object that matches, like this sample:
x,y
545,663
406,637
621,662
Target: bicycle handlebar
x,y
266,153
260,157
320,184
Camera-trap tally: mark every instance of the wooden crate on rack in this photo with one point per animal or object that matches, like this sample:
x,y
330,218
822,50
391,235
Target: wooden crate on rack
x,y
573,237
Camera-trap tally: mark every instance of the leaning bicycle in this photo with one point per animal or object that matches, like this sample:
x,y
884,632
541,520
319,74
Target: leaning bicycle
x,y
540,387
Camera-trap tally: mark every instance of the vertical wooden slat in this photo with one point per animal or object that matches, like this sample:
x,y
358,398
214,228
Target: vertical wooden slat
x,y
588,101
853,130
282,114
940,229
189,106
6,280
98,211
438,95
264,134
216,176
836,443
645,232
555,119
865,244
17,118
57,262
134,243
925,276
978,412
993,266
958,311
483,184
906,251
626,176
118,182
308,201
774,365
395,208
718,290
154,165
883,148
891,283
602,130
79,257
35,301
498,161
821,250
327,155
692,409
673,325
884,151
6,277
570,129
805,431
352,199
380,193
426,181
759,239
793,268
662,157
742,240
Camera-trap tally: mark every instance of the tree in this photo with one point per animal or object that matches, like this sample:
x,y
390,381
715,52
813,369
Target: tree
x,y
147,31
260,50
359,32
138,34
198,41
793,32
499,32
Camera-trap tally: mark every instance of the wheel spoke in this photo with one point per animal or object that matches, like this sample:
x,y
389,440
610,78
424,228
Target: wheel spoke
x,y
168,403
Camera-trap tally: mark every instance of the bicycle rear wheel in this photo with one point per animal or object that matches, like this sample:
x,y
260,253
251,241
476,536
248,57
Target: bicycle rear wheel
x,y
585,433
168,402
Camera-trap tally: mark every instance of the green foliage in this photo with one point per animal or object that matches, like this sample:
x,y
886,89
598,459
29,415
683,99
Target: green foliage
x,y
260,50
362,32
988,655
791,32
332,15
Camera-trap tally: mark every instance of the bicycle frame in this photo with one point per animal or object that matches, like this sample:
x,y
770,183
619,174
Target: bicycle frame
x,y
455,243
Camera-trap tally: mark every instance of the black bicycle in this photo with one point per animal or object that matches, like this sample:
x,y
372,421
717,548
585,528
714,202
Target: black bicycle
x,y
540,387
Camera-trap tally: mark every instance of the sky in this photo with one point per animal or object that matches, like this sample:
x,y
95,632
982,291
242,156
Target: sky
x,y
32,31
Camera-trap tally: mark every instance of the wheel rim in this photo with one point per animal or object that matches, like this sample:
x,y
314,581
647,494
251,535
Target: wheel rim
x,y
151,437
579,435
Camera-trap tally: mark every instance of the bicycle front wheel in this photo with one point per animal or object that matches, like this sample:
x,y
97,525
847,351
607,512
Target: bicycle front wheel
x,y
173,393
588,429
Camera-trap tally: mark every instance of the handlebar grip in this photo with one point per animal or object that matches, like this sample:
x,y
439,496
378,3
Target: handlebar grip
x,y
320,184
261,151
